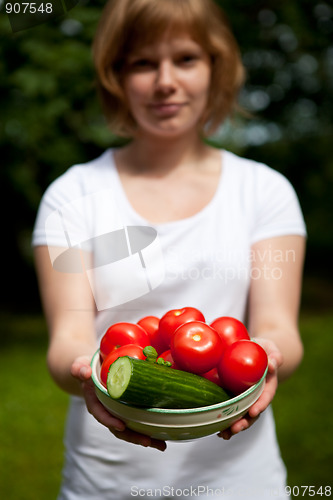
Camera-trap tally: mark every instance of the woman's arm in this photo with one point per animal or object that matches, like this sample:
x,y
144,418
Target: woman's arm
x,y
70,311
273,307
274,298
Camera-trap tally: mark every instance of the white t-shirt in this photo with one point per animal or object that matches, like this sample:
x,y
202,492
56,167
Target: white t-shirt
x,y
140,269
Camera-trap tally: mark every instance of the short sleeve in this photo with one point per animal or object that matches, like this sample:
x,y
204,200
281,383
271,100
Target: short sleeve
x,y
61,218
277,208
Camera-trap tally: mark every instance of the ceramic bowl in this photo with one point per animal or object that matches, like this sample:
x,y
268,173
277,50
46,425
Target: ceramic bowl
x,y
178,424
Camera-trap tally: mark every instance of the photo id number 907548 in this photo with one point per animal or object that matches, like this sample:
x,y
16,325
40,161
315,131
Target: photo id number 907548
x,y
308,491
28,8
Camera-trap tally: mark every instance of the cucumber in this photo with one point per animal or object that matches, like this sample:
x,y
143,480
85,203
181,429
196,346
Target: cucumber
x,y
140,383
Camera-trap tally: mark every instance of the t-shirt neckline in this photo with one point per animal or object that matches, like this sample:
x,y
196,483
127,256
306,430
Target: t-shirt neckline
x,y
127,205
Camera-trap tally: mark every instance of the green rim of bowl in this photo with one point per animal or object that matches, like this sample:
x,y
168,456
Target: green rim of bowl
x,y
183,410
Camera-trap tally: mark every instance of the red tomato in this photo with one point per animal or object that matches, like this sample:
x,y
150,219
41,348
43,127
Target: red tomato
x,y
132,350
175,318
242,365
196,347
213,376
167,356
122,334
230,330
151,324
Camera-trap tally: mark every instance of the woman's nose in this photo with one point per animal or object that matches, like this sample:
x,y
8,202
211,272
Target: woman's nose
x,y
166,77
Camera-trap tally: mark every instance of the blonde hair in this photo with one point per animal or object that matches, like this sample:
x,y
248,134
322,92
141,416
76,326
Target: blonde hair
x,y
127,24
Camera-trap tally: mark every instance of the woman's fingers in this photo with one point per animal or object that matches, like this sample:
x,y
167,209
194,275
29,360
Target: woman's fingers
x,y
81,368
267,395
275,358
82,371
96,408
140,439
241,425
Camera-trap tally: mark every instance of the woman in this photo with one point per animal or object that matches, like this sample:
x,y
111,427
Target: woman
x,y
229,240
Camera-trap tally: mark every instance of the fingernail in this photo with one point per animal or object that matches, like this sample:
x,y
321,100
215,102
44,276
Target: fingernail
x,y
224,435
254,413
120,426
120,429
274,363
145,442
83,371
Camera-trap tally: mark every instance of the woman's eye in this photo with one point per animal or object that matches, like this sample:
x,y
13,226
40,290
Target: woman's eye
x,y
142,63
188,59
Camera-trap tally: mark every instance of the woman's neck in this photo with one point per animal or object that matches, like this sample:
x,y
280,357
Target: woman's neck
x,y
147,156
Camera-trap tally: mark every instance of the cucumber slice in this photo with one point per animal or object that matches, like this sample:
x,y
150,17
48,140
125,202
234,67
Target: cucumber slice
x,y
121,375
141,383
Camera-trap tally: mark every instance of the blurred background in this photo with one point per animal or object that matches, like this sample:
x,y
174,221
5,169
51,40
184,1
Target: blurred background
x,y
50,118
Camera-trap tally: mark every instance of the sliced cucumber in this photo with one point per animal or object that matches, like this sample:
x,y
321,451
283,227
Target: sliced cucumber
x,y
140,383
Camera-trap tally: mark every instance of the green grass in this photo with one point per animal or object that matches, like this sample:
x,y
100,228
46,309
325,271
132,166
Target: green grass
x,y
303,407
33,410
32,413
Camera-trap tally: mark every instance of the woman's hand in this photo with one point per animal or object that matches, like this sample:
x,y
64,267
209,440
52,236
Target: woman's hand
x,y
81,370
274,361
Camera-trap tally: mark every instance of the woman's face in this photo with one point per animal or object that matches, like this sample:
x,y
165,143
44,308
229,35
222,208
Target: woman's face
x,y
167,85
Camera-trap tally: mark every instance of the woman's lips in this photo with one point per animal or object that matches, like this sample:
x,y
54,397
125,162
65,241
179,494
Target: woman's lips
x,y
166,109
